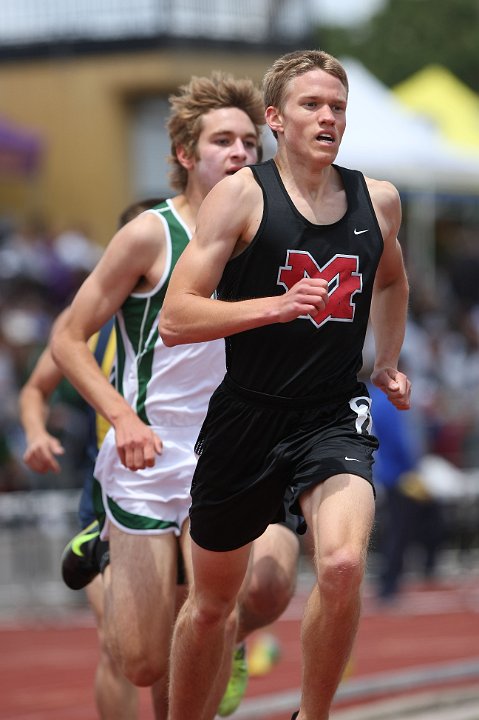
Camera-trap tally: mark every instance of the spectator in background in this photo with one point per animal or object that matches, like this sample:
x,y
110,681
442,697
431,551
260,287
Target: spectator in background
x,y
28,253
463,266
77,252
408,513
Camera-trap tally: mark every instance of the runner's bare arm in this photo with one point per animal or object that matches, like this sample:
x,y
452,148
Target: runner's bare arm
x,y
127,260
42,447
390,298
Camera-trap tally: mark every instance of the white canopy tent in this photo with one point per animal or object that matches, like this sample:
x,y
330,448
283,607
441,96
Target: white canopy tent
x,y
386,140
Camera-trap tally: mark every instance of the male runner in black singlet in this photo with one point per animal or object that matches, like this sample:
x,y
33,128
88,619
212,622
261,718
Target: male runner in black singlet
x,y
301,253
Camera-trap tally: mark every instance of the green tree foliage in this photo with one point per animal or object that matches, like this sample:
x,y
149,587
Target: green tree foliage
x,y
407,35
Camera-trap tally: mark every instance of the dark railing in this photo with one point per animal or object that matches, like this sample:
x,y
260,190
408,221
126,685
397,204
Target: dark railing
x,y
29,22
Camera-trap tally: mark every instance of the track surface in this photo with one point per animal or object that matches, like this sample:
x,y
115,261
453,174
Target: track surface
x,y
427,641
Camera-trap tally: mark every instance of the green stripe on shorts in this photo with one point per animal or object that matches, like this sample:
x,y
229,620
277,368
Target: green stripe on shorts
x,y
138,522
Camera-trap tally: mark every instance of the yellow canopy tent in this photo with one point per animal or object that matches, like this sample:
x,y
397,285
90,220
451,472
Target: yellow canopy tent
x,y
453,107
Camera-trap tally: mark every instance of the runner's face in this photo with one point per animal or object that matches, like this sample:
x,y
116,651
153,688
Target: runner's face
x,y
313,118
227,142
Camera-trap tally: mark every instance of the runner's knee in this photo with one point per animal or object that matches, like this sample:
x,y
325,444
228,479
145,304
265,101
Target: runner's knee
x,y
341,573
143,670
208,613
268,593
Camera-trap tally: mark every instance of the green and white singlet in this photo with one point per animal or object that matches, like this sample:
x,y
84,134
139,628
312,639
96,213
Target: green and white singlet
x,y
169,388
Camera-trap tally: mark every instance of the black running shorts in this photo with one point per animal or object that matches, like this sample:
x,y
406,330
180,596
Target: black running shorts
x,y
255,448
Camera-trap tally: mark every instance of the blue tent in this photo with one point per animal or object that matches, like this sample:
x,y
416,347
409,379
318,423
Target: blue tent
x,y
20,150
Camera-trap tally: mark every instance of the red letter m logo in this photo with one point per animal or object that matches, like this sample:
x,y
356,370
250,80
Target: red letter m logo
x,y
341,274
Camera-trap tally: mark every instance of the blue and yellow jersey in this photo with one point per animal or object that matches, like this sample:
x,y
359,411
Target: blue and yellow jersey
x,y
103,347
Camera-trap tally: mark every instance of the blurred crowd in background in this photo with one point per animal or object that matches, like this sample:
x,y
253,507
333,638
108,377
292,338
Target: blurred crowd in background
x,y
40,270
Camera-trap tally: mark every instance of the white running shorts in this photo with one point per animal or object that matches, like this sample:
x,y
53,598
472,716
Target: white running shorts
x,y
155,500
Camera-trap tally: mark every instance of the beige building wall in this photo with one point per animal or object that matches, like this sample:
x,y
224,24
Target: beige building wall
x,y
82,108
